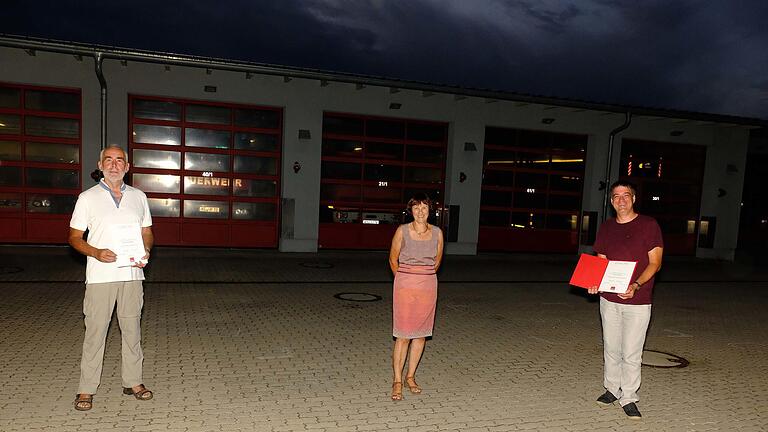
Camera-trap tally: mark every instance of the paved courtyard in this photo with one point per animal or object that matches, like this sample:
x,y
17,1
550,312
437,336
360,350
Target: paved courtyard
x,y
242,340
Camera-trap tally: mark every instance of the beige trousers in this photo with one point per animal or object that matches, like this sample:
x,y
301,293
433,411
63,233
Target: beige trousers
x,y
100,299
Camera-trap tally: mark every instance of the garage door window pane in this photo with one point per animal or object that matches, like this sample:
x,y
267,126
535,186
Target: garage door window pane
x,y
206,138
156,110
254,188
52,127
163,135
374,150
494,218
10,176
253,211
340,192
10,124
528,220
423,154
207,185
386,194
10,150
10,97
385,129
256,142
262,119
164,207
340,170
206,209
51,204
156,183
342,148
52,101
380,172
208,114
255,165
343,125
426,132
52,178
423,175
206,162
10,201
56,153
156,159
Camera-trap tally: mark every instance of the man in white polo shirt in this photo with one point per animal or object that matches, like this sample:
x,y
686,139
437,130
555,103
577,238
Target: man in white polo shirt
x,y
105,210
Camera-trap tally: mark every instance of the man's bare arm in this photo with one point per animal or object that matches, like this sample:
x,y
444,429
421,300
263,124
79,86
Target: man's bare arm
x,y
80,245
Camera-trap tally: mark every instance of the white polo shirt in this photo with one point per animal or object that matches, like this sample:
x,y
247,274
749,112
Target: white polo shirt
x,y
97,211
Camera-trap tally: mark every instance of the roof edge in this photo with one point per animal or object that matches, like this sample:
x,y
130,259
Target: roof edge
x,y
119,53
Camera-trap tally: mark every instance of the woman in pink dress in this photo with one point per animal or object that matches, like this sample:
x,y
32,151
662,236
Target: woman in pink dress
x,y
414,257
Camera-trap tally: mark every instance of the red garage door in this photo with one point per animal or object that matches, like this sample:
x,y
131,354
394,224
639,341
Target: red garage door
x,y
211,171
371,166
531,193
40,135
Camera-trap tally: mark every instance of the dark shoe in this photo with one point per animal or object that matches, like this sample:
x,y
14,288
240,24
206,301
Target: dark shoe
x,y
143,394
632,412
606,399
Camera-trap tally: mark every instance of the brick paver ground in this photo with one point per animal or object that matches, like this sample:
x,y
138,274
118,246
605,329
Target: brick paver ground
x,y
239,340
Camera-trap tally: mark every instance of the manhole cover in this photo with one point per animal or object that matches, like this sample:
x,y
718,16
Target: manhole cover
x,y
317,265
358,297
10,269
661,359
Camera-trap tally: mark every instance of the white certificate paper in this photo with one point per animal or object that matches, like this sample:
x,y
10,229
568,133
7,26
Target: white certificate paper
x,y
127,244
617,277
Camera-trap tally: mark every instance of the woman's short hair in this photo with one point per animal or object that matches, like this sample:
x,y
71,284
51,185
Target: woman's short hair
x,y
420,198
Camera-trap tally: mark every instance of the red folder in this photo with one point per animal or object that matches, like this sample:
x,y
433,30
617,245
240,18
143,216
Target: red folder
x,y
589,271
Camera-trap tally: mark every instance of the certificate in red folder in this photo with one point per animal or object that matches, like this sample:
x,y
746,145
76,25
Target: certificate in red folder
x,y
608,276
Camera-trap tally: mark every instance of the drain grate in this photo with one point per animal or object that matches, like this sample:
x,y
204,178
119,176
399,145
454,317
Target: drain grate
x,y
358,297
660,359
317,265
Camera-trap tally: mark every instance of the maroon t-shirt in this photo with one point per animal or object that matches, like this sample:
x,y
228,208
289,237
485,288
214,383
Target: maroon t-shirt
x,y
630,241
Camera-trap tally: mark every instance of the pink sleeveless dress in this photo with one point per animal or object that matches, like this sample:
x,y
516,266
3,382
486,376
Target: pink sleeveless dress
x,y
414,295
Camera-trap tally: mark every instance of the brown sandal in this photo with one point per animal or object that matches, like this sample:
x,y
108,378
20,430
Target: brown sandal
x,y
83,401
144,394
412,386
397,391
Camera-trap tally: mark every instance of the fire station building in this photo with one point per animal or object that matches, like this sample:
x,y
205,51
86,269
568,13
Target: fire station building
x,y
236,154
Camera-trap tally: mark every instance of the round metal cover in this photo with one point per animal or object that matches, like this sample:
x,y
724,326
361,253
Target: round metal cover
x,y
662,359
358,297
10,269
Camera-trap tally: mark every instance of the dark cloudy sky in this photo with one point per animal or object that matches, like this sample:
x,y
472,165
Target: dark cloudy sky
x,y
707,56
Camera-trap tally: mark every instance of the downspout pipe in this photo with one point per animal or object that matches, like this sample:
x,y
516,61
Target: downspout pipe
x,y
99,64
609,161
99,60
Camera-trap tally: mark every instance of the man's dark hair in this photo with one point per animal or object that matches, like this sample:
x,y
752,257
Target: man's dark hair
x,y
625,184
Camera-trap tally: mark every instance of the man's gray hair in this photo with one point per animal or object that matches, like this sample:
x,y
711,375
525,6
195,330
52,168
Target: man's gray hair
x,y
113,146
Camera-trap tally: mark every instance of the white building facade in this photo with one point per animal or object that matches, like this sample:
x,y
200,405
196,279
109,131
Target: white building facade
x,y
243,155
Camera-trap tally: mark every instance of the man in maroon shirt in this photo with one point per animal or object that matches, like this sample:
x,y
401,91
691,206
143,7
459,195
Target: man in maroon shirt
x,y
625,317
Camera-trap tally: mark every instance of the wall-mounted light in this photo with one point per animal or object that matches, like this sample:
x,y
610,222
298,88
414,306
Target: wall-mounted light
x,y
395,105
676,133
305,134
470,146
209,89
547,120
